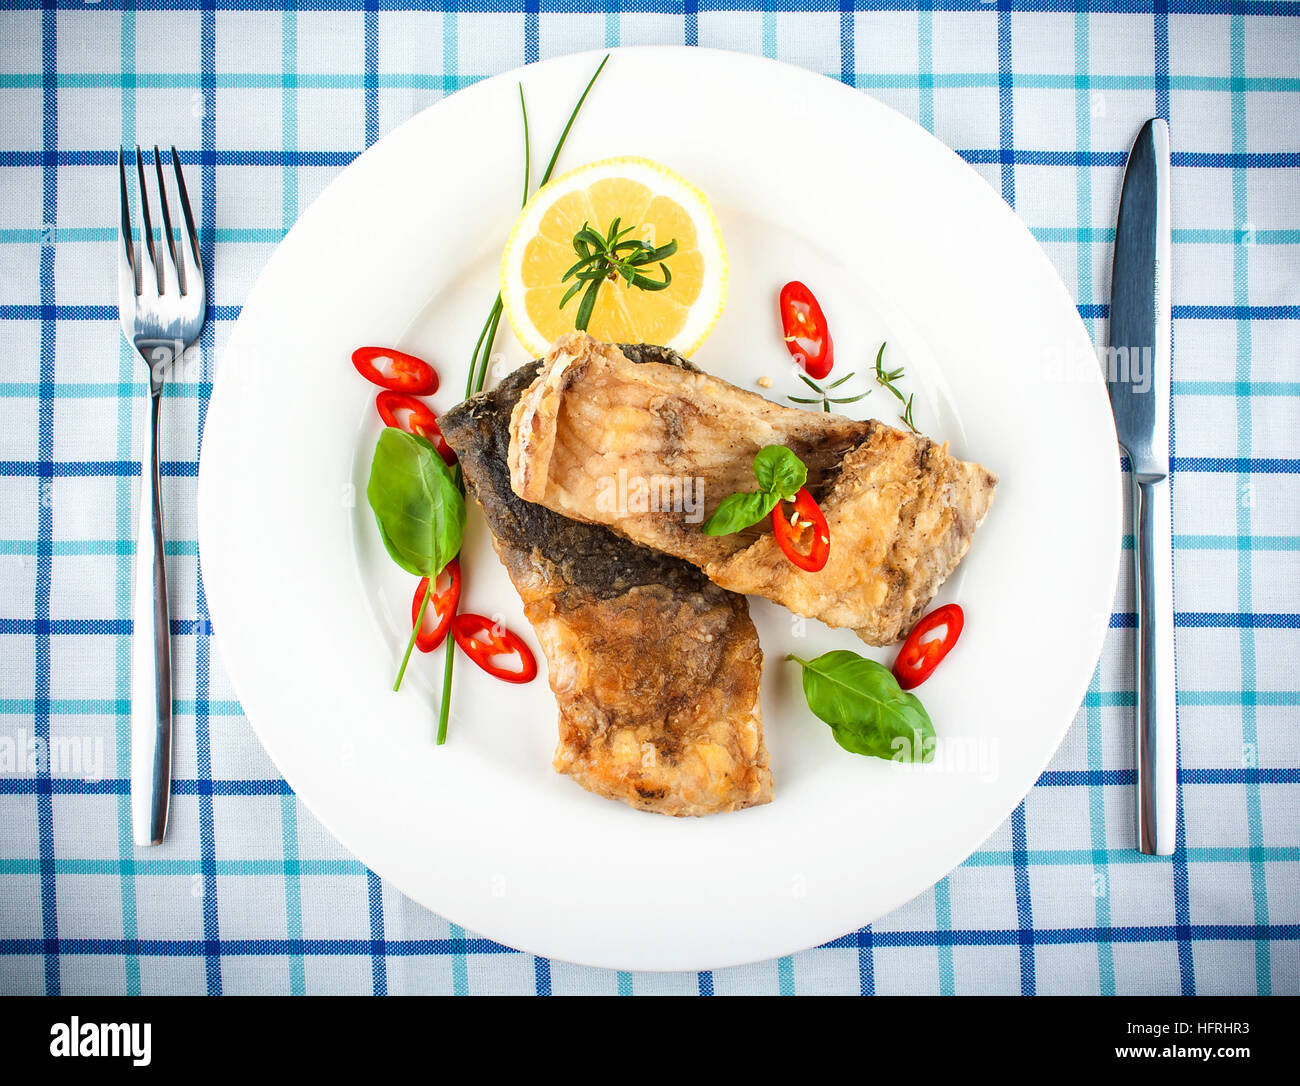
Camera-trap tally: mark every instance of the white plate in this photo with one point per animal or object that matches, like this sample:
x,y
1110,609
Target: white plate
x,y
901,241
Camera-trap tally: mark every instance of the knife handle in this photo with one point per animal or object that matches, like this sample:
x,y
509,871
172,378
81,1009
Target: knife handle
x,y
1157,728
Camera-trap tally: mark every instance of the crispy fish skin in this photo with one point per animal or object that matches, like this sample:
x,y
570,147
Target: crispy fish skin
x,y
655,669
901,510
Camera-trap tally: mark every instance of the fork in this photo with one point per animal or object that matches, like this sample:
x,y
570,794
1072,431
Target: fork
x,y
162,305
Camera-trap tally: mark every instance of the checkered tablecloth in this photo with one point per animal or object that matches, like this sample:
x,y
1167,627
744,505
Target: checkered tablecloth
x,y
249,893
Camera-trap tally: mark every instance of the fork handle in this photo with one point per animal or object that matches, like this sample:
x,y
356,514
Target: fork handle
x,y
151,670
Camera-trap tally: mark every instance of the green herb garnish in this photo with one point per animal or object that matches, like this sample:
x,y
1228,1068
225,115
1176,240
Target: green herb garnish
x,y
478,363
605,258
824,396
906,416
419,505
780,474
388,486
869,713
886,378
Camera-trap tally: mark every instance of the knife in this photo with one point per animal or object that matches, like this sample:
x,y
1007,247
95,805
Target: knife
x,y
1138,375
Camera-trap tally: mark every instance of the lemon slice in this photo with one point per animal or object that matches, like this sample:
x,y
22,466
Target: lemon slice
x,y
662,206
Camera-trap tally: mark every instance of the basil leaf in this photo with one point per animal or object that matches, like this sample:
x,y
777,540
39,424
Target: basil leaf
x,y
740,511
869,713
779,471
419,507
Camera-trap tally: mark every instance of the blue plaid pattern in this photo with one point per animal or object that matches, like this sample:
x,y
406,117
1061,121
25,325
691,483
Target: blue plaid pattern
x,y
249,894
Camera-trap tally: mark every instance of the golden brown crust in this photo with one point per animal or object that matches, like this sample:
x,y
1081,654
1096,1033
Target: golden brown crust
x,y
658,697
655,669
901,510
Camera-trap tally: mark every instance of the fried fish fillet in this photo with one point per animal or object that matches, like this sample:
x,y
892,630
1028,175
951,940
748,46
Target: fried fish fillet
x,y
602,440
655,669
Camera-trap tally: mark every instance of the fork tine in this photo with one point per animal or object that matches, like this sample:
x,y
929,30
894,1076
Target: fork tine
x,y
170,249
152,269
190,256
128,247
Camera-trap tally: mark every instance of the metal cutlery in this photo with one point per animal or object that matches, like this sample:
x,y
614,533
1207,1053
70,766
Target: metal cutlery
x,y
162,303
1138,377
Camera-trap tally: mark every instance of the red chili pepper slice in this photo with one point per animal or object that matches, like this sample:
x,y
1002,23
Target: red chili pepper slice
x,y
808,519
919,657
484,641
404,412
806,333
395,370
441,608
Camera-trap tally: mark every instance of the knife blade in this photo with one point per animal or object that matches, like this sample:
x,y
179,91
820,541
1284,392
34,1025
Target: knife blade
x,y
1138,364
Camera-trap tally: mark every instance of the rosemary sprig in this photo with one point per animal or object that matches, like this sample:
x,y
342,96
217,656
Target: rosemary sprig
x,y
887,378
824,396
906,416
602,258
478,363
